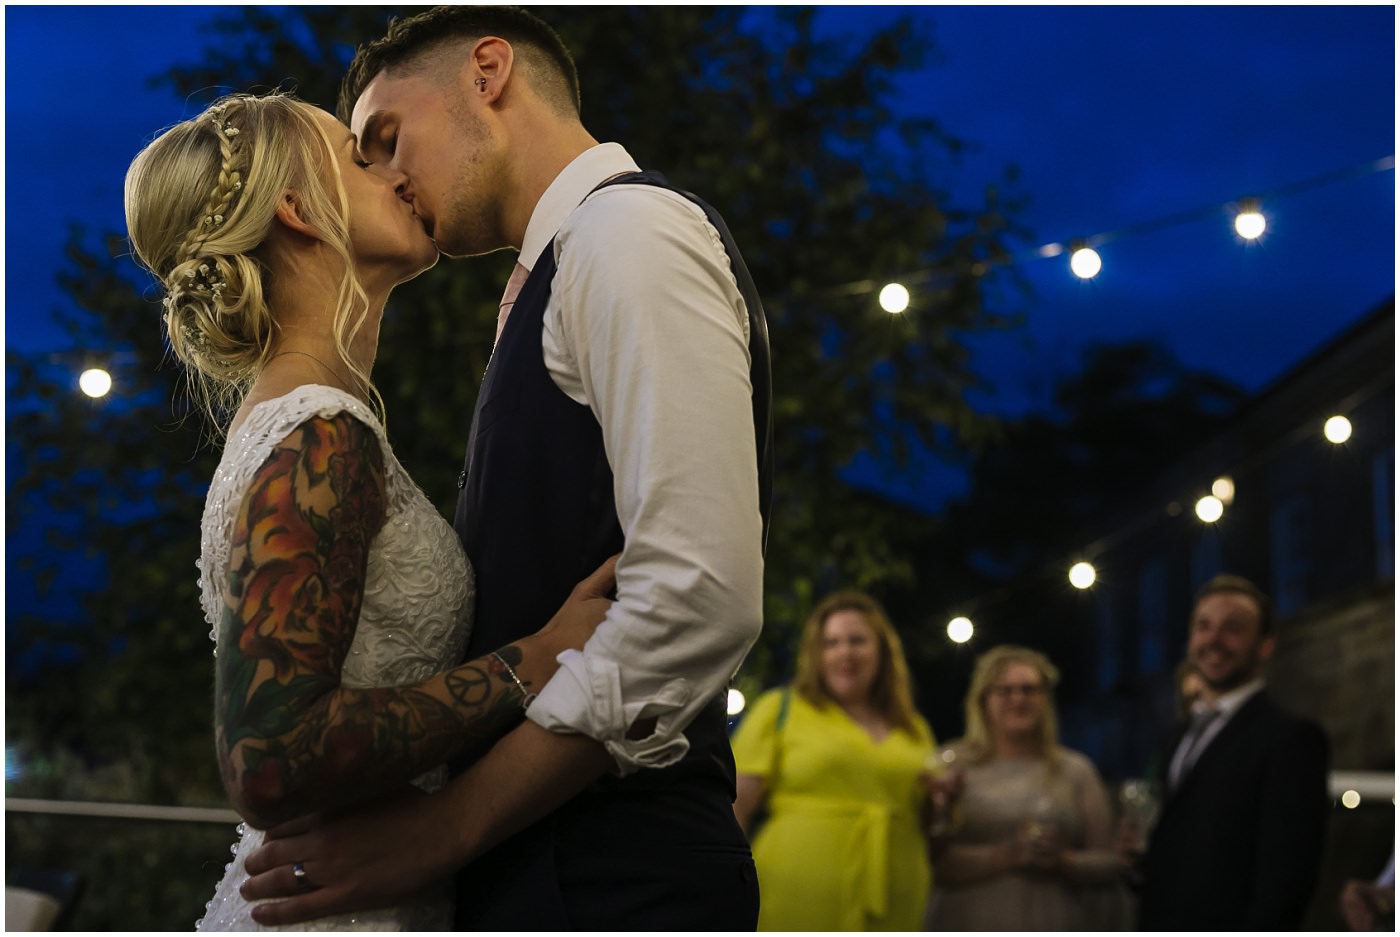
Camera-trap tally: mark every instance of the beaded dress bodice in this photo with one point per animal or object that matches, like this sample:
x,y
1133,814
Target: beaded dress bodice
x,y
414,621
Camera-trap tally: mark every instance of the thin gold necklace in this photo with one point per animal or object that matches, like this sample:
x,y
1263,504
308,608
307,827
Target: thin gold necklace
x,y
306,354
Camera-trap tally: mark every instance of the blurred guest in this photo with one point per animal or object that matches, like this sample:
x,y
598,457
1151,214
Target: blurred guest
x,y
1035,847
1239,840
1192,693
1368,906
843,765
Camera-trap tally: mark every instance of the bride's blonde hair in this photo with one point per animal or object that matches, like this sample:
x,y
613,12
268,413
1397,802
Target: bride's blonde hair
x,y
201,198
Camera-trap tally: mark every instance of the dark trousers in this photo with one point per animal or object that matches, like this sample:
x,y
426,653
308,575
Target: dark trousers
x,y
619,861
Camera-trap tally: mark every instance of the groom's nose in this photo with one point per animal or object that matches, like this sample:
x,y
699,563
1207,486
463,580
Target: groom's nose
x,y
394,177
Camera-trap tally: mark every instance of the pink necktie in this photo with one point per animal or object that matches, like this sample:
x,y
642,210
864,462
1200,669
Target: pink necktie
x,y
513,285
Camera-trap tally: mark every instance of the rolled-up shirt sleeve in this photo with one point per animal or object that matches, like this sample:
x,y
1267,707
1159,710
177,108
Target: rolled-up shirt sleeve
x,y
647,327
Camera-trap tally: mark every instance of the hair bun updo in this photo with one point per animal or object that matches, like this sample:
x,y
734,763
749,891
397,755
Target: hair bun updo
x,y
201,199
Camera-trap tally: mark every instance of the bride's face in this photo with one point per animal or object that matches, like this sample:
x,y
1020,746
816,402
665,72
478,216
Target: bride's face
x,y
385,232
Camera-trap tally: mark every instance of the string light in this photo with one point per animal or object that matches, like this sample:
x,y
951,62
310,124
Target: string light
x,y
1082,575
894,298
95,382
735,702
960,630
1085,262
1249,221
1210,509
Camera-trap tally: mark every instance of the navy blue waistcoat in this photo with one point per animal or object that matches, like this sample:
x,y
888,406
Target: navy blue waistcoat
x,y
536,515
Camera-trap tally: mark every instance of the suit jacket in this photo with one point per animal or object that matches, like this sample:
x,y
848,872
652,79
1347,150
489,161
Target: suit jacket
x,y
1238,844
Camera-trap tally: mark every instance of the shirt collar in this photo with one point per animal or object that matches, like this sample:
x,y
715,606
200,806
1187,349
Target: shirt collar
x,y
567,191
1229,702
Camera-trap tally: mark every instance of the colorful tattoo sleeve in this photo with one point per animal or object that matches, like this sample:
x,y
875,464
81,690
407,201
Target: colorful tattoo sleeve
x,y
290,738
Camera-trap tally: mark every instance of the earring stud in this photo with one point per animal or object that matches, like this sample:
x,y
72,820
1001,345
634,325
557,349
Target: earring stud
x,y
481,84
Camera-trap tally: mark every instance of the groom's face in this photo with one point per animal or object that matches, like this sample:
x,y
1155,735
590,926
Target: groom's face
x,y
428,131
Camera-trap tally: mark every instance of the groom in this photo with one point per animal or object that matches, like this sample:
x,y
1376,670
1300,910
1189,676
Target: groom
x,y
625,408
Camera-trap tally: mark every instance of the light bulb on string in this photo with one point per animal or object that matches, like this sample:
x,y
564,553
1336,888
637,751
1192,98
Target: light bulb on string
x,y
1210,509
1085,262
734,703
95,382
960,630
1082,575
1337,430
894,298
1249,220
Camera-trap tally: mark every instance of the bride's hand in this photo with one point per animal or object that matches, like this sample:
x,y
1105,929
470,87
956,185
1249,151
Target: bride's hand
x,y
576,620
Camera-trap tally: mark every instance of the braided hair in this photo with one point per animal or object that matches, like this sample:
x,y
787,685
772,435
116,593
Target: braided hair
x,y
201,199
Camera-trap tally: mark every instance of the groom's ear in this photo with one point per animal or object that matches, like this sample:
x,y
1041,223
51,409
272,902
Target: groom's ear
x,y
290,215
488,69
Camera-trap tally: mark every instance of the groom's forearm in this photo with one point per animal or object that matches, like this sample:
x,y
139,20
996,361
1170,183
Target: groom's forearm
x,y
388,854
525,776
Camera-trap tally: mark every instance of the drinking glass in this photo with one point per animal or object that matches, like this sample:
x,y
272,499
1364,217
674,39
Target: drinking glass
x,y
942,765
1139,801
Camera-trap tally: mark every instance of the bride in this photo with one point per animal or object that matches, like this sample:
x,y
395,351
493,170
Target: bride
x,y
339,599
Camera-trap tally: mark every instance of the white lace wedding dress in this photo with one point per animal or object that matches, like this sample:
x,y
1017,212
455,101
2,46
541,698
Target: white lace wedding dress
x,y
414,621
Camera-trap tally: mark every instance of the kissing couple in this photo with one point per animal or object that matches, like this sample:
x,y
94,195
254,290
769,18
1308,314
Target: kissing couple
x,y
513,721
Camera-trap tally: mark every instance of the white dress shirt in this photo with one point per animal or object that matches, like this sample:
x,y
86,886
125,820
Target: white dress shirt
x,y
1227,704
647,328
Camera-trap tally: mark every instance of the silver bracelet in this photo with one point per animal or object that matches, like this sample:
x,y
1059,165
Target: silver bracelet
x,y
526,697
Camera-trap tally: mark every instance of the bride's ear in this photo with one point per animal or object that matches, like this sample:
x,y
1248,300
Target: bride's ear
x,y
289,215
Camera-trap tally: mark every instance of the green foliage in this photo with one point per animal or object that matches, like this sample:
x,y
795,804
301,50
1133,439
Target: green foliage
x,y
137,875
792,135
126,481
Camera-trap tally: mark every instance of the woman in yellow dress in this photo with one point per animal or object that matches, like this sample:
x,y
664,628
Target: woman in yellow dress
x,y
842,762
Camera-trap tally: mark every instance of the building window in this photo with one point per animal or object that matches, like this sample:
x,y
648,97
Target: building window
x,y
1383,485
1205,556
1288,555
1152,616
1109,649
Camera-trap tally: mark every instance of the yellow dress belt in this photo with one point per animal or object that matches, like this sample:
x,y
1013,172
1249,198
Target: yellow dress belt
x,y
866,881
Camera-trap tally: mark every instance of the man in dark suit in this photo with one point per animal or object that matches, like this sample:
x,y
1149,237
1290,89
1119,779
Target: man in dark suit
x,y
1240,836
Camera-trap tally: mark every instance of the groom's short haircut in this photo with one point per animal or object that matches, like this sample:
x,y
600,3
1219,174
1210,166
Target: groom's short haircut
x,y
425,42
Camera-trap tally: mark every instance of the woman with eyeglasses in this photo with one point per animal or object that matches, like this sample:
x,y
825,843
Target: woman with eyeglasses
x,y
1034,849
